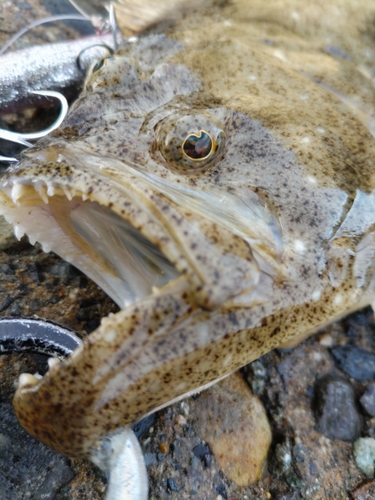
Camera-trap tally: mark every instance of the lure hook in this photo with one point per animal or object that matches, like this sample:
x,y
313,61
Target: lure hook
x,y
22,138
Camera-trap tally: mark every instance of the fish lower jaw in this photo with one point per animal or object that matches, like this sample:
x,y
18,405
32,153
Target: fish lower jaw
x,y
95,239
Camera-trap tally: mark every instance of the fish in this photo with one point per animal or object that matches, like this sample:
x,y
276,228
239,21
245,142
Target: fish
x,y
217,181
56,66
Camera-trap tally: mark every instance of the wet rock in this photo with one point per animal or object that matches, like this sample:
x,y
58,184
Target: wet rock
x,y
172,485
365,491
355,362
7,238
5,303
150,459
64,270
368,399
364,455
234,423
256,376
335,410
142,427
283,463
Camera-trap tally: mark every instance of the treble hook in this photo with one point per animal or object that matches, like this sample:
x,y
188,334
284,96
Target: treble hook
x,y
21,138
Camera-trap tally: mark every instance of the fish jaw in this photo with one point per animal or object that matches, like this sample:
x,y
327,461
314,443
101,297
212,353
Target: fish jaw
x,y
42,203
156,326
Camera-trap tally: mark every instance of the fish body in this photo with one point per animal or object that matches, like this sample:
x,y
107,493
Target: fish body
x,y
218,183
56,66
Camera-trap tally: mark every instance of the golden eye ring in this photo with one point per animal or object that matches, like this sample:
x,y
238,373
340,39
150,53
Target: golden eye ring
x,y
198,147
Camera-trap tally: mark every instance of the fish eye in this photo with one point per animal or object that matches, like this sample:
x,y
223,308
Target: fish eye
x,y
190,143
198,147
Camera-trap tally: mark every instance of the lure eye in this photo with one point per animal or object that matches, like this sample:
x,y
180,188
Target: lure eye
x,y
191,142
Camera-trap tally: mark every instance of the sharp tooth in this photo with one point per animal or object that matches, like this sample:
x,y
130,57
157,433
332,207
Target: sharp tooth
x,y
50,190
53,363
68,194
18,190
18,232
84,197
27,380
42,192
32,239
46,247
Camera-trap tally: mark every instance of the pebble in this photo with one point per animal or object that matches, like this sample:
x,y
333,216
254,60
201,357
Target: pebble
x,y
355,362
335,409
172,485
364,455
234,423
150,459
364,491
368,399
256,376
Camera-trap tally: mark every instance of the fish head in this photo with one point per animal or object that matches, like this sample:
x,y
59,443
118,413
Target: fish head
x,y
144,181
207,217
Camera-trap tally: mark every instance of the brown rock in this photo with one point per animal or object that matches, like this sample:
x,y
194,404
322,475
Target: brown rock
x,y
234,423
365,491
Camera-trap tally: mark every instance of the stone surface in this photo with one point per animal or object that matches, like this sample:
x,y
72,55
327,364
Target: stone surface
x,y
365,491
368,399
355,362
233,421
364,454
335,409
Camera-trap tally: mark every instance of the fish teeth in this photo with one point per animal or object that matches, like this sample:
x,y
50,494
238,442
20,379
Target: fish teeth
x,y
18,231
68,194
50,190
27,380
42,192
53,363
18,190
46,247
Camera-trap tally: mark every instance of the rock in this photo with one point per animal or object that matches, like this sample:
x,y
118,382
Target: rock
x,y
7,238
335,409
234,423
364,455
368,399
283,463
364,491
64,270
355,362
142,427
256,376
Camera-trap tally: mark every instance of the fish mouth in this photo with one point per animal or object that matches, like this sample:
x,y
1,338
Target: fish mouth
x,y
116,224
104,245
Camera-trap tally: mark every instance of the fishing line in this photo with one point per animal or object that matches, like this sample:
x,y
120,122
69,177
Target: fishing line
x,y
62,17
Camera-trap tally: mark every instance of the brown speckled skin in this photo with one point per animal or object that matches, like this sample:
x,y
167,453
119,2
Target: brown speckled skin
x,y
274,238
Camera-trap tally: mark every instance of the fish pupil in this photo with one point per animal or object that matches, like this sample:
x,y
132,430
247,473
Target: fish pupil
x,y
198,147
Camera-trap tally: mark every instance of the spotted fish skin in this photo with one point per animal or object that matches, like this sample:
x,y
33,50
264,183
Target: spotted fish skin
x,y
271,237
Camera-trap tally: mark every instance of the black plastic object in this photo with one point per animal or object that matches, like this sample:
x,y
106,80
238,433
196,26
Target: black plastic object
x,y
34,335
